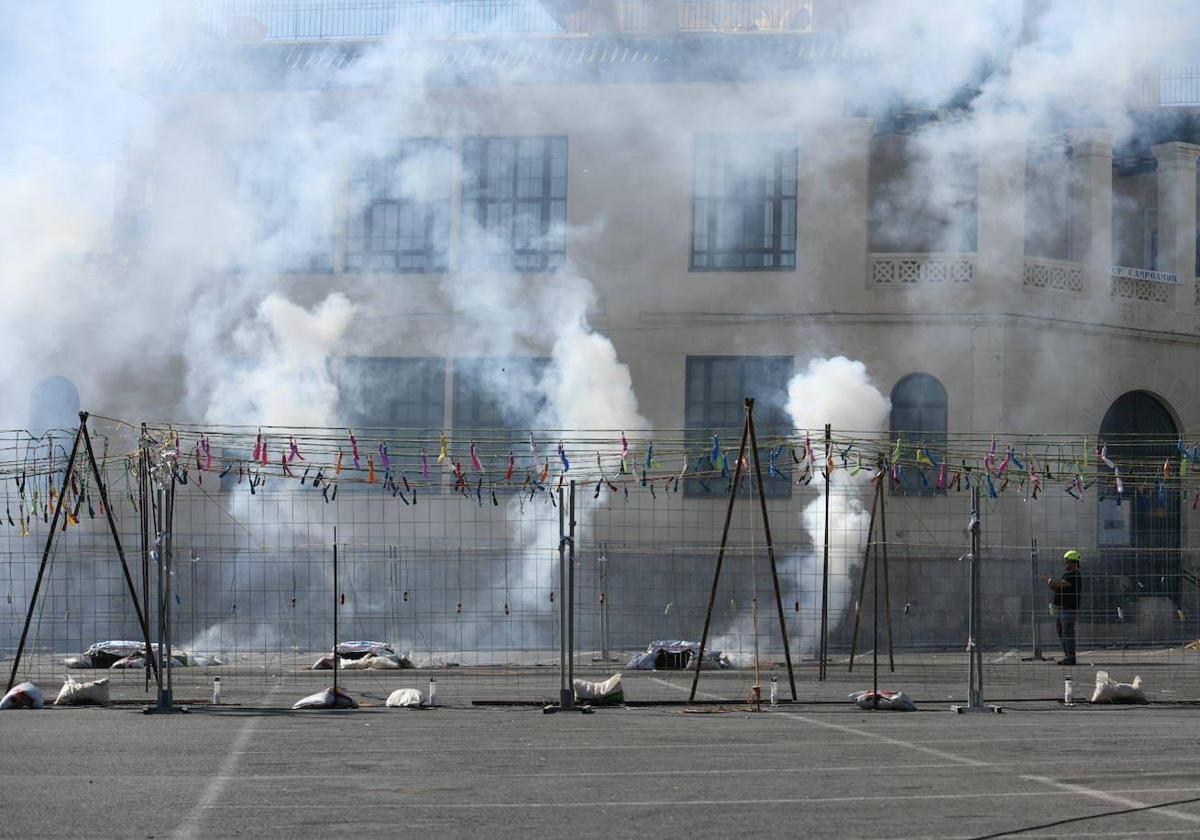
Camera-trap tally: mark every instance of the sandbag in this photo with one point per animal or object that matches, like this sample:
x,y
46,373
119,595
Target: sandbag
x,y
609,691
330,698
1108,691
384,663
355,664
325,663
75,693
24,695
404,698
129,662
892,701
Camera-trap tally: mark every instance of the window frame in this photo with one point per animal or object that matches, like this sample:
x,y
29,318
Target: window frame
x,y
915,437
434,214
709,165
550,252
698,431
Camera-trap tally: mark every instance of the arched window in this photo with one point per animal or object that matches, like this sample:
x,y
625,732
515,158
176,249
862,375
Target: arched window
x,y
919,416
1139,531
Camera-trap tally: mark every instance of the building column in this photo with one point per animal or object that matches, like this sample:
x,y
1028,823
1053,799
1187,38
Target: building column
x,y
1000,267
1091,204
1177,218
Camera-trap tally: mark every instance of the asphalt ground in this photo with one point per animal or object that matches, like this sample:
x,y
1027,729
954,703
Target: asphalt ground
x,y
821,770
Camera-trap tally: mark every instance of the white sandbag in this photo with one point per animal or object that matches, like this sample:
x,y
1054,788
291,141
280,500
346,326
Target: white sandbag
x,y
608,691
404,698
330,698
78,662
129,662
384,663
1109,691
355,664
75,693
325,663
24,695
206,661
892,701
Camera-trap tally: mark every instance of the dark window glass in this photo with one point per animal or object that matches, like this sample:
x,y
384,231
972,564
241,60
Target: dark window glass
x,y
716,389
382,398
515,192
744,202
378,392
924,194
919,416
399,216
496,402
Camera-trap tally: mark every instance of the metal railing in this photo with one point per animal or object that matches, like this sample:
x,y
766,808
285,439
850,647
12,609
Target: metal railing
x,y
1171,86
285,20
745,15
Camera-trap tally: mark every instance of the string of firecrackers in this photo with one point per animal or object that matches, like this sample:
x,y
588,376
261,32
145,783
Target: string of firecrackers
x,y
794,459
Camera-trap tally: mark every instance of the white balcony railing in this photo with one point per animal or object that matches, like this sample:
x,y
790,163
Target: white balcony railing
x,y
899,271
1054,275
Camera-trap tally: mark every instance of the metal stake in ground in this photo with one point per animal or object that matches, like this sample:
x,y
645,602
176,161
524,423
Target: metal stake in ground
x,y
566,608
824,646
974,649
1034,613
335,611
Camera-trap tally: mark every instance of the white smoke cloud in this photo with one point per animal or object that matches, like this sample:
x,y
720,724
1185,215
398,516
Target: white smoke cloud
x,y
286,378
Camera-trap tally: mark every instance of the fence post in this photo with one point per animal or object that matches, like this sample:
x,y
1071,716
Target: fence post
x,y
974,650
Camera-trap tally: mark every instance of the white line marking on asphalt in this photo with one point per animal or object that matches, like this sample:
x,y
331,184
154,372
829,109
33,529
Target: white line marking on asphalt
x,y
664,803
1113,798
850,730
190,827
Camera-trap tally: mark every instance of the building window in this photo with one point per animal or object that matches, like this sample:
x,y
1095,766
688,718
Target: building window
x,y
292,230
924,190
380,392
744,203
380,396
498,393
496,402
919,418
515,193
399,216
717,387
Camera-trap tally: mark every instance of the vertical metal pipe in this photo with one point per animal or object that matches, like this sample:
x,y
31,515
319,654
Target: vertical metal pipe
x,y
824,647
887,590
565,695
335,609
875,630
571,598
168,565
1034,612
164,700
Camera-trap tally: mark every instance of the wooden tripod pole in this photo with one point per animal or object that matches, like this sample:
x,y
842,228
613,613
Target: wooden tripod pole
x,y
762,500
37,586
862,577
712,598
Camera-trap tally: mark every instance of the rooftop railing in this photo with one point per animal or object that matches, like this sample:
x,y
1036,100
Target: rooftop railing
x,y
298,20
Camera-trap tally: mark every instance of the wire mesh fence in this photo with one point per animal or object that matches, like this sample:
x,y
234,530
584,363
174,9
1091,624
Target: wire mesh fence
x,y
450,560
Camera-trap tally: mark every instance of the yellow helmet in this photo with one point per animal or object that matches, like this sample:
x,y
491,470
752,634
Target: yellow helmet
x,y
1071,556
